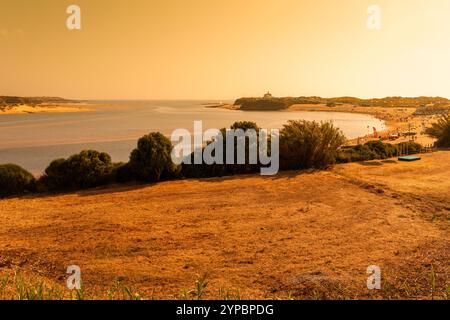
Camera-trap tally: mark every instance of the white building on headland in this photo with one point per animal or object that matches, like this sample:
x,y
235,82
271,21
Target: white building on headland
x,y
268,95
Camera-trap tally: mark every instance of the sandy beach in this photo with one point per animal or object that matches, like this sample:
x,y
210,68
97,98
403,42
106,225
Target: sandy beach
x,y
396,119
50,108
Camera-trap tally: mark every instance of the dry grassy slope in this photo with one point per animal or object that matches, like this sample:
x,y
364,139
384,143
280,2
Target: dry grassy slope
x,y
306,235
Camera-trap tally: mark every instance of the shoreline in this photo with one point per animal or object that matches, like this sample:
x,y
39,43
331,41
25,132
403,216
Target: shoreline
x,y
397,119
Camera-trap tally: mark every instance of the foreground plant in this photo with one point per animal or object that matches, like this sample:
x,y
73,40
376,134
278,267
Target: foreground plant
x,y
441,131
309,144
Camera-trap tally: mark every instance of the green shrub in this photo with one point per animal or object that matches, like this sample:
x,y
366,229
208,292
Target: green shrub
x,y
244,125
15,180
303,144
55,175
122,172
87,169
376,150
233,169
381,150
355,154
151,161
409,147
441,131
218,170
306,144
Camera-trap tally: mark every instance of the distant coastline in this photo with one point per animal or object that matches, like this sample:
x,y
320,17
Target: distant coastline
x,y
30,109
268,102
29,105
399,113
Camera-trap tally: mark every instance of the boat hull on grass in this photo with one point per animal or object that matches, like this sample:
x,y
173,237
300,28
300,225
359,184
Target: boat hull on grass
x,y
409,158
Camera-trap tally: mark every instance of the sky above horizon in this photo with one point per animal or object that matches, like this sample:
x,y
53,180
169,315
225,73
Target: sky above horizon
x,y
210,49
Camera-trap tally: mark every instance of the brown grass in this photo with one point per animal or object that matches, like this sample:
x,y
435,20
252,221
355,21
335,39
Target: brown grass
x,y
296,235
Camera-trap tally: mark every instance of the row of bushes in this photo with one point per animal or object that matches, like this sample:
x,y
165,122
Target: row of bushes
x,y
376,150
302,145
150,161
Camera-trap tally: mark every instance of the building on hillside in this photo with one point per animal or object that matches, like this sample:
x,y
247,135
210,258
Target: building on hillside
x,y
268,95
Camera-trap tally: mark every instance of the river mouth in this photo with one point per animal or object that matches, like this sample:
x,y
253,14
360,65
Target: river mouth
x,y
34,140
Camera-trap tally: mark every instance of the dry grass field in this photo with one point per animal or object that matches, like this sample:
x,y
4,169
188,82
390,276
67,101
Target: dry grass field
x,y
300,235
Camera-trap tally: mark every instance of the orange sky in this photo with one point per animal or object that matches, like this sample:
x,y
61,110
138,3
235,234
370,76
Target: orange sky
x,y
211,49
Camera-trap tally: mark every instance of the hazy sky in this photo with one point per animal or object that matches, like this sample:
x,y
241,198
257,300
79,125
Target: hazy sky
x,y
211,49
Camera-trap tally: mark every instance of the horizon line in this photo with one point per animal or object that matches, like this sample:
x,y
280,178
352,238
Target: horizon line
x,y
224,99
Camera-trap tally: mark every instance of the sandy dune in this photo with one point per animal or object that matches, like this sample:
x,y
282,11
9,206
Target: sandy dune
x,y
24,109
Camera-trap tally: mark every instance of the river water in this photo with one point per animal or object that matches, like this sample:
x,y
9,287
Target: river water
x,y
34,140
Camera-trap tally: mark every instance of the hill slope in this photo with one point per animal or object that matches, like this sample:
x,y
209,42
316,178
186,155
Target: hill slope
x,y
301,235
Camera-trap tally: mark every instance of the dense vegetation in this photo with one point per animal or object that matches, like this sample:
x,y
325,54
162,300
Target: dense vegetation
x,y
250,104
261,104
7,102
376,150
305,144
15,180
13,100
302,145
151,161
441,131
437,109
87,169
426,104
204,170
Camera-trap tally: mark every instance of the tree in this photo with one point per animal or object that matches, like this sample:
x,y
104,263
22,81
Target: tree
x,y
441,131
306,144
244,125
15,180
219,170
87,169
56,175
151,160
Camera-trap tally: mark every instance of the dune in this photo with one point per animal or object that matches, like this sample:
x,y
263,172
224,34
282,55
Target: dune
x,y
26,109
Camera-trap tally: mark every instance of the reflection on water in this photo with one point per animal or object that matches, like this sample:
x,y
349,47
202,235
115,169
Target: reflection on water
x,y
33,140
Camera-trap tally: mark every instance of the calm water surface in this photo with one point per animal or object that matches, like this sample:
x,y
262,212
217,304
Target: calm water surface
x,y
33,140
